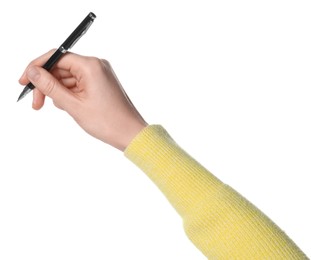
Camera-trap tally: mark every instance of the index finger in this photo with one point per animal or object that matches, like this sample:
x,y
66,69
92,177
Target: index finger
x,y
69,61
39,62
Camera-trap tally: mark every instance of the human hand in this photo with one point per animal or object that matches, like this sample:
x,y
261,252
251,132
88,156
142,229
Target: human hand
x,y
88,90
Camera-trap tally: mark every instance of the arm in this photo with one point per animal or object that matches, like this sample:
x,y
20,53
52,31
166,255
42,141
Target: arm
x,y
219,221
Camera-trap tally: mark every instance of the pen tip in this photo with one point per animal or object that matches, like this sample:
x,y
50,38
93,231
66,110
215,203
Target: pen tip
x,y
20,97
25,91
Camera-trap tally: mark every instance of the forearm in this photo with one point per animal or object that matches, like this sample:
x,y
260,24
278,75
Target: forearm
x,y
219,221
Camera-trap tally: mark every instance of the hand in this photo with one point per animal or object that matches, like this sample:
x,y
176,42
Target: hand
x,y
88,90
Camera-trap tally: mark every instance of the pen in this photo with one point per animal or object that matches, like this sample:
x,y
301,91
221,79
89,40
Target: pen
x,y
68,43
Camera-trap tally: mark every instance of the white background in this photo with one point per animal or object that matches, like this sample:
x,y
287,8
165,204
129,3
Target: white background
x,y
230,81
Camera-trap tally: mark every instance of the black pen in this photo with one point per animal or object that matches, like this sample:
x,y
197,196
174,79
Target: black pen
x,y
70,41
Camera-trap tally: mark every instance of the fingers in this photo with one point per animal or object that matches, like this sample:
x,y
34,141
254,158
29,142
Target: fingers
x,y
48,86
39,62
68,64
38,99
62,71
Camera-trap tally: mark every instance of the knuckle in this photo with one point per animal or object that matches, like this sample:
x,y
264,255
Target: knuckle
x,y
97,65
99,62
106,64
95,61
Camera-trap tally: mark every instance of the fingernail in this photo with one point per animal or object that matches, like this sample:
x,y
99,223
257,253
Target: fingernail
x,y
33,74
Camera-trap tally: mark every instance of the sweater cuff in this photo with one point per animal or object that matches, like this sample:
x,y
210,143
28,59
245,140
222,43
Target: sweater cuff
x,y
148,139
180,177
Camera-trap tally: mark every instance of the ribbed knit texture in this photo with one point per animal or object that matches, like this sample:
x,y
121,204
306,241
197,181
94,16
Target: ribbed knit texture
x,y
217,219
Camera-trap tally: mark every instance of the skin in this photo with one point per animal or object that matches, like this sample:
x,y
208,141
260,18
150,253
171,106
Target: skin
x,y
89,91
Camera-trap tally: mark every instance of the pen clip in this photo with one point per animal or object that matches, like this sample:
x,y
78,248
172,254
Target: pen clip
x,y
87,26
78,32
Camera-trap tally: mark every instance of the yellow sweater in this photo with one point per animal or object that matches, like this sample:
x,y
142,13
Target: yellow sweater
x,y
217,219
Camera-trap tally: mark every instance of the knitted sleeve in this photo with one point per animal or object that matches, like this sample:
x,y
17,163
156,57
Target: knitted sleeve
x,y
217,219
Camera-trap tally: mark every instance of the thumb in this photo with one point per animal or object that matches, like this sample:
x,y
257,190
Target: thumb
x,y
48,85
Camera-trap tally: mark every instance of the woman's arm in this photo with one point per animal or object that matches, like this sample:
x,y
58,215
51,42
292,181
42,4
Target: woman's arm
x,y
217,219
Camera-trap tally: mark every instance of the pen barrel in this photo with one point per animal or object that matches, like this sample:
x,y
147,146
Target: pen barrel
x,y
30,86
53,59
79,31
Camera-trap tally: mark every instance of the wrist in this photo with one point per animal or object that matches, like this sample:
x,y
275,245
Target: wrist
x,y
127,134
